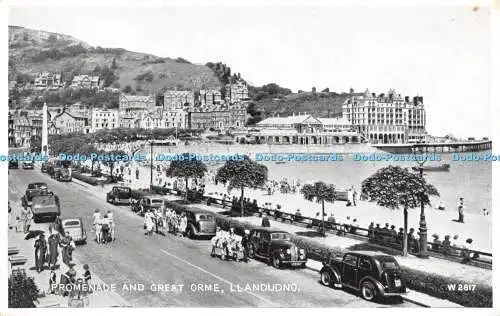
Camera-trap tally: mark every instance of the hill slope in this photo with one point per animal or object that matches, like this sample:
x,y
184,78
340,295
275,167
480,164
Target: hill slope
x,y
32,51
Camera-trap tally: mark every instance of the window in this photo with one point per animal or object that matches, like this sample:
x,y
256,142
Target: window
x,y
350,259
365,264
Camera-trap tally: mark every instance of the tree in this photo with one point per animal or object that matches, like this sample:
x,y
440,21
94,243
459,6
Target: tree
x,y
127,89
326,90
394,187
111,163
113,64
313,89
22,290
242,173
189,167
321,192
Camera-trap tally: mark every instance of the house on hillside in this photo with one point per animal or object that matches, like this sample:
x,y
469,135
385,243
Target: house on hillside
x,y
65,122
48,80
86,82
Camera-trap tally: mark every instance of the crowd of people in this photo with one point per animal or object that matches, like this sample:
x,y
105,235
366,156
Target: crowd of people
x,y
103,226
160,221
228,244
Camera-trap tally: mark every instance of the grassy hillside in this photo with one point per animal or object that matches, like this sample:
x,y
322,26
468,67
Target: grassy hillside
x,y
32,51
320,104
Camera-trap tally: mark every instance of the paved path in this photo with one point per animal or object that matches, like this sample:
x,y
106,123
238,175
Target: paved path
x,y
149,260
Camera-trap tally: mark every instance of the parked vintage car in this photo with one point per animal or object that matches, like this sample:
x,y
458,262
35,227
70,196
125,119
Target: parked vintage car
x,y
149,202
13,164
46,206
63,174
200,223
33,189
119,195
372,274
45,166
74,227
275,246
28,165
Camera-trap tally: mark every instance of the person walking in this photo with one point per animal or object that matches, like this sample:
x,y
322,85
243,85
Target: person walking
x,y
39,250
52,281
137,173
10,216
460,208
28,217
53,244
111,221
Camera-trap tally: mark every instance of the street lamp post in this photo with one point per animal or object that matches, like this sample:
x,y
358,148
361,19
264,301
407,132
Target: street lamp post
x,y
423,223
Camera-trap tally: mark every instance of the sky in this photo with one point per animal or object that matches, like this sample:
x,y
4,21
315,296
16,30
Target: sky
x,y
440,53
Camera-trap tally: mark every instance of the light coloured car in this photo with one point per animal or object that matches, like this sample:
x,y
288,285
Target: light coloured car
x,y
74,226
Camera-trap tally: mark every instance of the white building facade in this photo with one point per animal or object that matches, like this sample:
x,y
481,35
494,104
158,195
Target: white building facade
x,y
386,118
104,119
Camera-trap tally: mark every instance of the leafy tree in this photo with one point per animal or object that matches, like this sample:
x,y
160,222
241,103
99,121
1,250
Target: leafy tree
x,y
22,290
394,187
313,89
242,173
113,64
127,89
111,162
321,192
186,168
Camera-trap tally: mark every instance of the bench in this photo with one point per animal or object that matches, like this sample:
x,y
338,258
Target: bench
x,y
13,251
17,261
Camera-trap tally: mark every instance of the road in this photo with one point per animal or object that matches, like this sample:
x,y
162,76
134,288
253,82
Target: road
x,y
135,258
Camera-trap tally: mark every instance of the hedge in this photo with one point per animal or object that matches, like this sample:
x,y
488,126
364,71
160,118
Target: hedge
x,y
86,179
428,283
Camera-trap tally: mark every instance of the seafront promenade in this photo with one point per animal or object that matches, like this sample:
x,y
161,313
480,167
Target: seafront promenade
x,y
476,226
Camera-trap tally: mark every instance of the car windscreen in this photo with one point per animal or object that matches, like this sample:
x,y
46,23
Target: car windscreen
x,y
123,190
37,185
205,217
72,223
280,236
156,201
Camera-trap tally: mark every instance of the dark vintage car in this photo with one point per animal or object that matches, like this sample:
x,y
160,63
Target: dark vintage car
x,y
13,164
28,165
63,174
45,166
46,206
372,274
276,248
200,223
149,202
119,195
33,189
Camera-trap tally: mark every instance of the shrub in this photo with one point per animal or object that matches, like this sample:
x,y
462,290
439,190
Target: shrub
x,y
147,76
85,179
22,290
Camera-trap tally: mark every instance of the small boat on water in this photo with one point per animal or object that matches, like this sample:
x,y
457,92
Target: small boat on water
x,y
443,167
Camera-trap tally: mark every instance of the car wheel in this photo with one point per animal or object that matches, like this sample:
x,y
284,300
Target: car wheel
x,y
368,291
251,252
35,219
327,278
276,261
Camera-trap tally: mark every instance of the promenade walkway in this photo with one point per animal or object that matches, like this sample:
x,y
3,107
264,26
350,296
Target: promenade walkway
x,y
97,299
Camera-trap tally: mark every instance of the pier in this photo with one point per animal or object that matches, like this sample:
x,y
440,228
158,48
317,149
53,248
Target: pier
x,y
455,147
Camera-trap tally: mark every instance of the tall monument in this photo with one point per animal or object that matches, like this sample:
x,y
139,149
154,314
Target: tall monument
x,y
45,131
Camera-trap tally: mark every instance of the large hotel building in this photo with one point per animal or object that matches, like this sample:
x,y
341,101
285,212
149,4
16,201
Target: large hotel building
x,y
386,118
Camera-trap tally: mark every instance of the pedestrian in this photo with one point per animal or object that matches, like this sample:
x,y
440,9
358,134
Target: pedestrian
x,y
111,224
331,221
371,232
10,216
53,244
466,254
394,234
436,243
265,222
87,276
28,216
137,173
354,197
40,251
461,210
245,243
354,226
52,281
446,245
400,236
105,228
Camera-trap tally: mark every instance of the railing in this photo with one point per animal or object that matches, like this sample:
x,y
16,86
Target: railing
x,y
380,237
